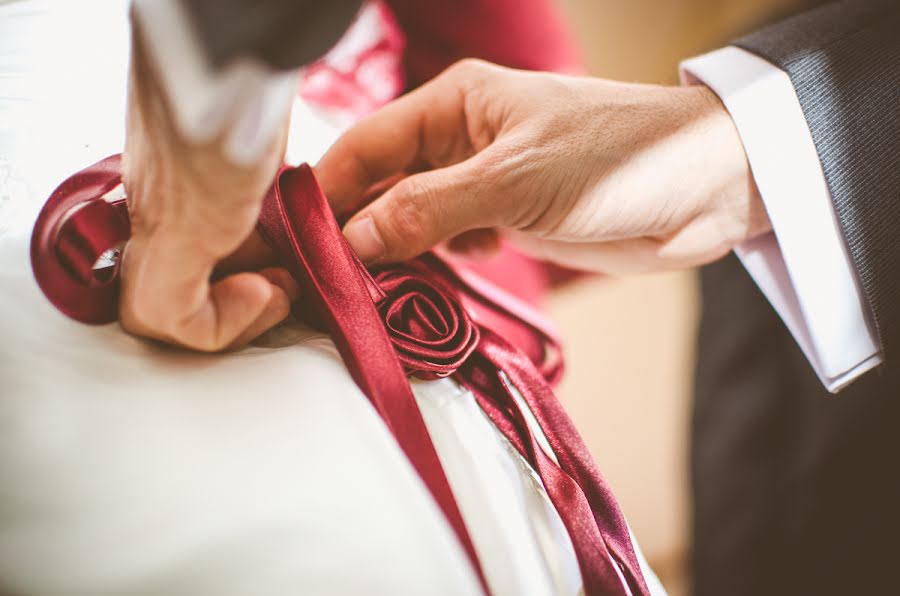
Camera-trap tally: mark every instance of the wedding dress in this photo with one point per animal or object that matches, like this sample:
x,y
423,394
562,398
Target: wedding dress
x,y
131,468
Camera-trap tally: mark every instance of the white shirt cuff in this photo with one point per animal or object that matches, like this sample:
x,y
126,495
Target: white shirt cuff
x,y
246,101
803,266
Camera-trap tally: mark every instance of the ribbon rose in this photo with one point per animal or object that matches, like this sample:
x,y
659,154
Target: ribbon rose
x,y
431,332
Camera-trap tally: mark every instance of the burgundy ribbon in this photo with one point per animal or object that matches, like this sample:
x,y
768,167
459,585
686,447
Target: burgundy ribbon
x,y
576,488
298,223
432,334
429,317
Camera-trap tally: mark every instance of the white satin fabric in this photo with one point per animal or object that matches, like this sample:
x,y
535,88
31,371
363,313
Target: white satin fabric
x,y
132,468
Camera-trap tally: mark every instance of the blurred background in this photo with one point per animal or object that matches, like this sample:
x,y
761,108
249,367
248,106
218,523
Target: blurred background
x,y
637,334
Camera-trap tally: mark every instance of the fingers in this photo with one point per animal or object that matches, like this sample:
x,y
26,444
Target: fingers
x,y
166,295
424,210
238,308
426,128
283,280
191,211
284,292
255,253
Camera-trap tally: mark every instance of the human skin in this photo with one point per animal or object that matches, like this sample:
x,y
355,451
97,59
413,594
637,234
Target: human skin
x,y
190,208
593,174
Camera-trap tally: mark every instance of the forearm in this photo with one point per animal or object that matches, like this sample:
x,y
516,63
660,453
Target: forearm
x,y
193,201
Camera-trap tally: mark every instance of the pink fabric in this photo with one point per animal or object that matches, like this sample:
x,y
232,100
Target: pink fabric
x,y
363,71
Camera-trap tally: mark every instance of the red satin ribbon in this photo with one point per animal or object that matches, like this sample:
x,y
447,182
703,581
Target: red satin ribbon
x,y
576,488
72,231
298,222
418,312
428,317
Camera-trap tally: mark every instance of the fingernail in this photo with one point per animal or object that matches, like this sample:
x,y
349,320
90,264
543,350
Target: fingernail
x,y
365,239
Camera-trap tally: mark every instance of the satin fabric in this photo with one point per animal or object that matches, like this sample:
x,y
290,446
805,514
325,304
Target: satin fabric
x,y
135,419
412,306
295,217
416,318
332,282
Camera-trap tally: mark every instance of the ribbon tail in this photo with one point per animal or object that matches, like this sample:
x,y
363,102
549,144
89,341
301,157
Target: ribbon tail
x,y
584,502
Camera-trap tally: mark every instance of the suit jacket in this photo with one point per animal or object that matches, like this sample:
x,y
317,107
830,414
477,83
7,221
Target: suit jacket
x,y
844,62
793,489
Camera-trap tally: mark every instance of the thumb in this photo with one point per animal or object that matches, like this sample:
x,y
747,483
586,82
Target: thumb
x,y
422,211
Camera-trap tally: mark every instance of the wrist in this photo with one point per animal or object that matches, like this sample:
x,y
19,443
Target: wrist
x,y
729,192
183,190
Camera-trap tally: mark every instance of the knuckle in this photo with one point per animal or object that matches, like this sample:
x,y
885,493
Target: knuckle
x,y
128,321
410,215
144,317
470,65
199,333
470,69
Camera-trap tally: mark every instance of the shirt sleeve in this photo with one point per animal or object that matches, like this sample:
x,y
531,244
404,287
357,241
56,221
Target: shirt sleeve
x,y
803,266
244,102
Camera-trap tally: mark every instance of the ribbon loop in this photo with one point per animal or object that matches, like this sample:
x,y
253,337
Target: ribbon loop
x,y
90,233
74,228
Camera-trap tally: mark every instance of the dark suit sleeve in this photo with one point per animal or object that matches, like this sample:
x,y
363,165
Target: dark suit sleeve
x,y
844,62
282,33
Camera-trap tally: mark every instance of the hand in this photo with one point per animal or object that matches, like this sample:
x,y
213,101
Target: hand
x,y
190,209
588,173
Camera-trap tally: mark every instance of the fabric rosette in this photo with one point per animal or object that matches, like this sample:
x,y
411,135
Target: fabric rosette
x,y
431,331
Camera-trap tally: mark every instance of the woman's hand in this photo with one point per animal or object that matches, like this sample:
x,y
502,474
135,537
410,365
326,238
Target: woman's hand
x,y
593,174
191,208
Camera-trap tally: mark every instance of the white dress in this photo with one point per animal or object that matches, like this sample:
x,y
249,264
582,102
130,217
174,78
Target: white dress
x,y
131,468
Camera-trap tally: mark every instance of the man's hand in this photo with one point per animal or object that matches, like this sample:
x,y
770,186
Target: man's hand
x,y
593,174
190,209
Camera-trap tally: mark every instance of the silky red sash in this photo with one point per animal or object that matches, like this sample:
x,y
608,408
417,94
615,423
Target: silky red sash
x,y
428,318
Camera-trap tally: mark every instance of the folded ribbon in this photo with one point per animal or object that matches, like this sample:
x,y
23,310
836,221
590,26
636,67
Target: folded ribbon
x,y
428,317
432,334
